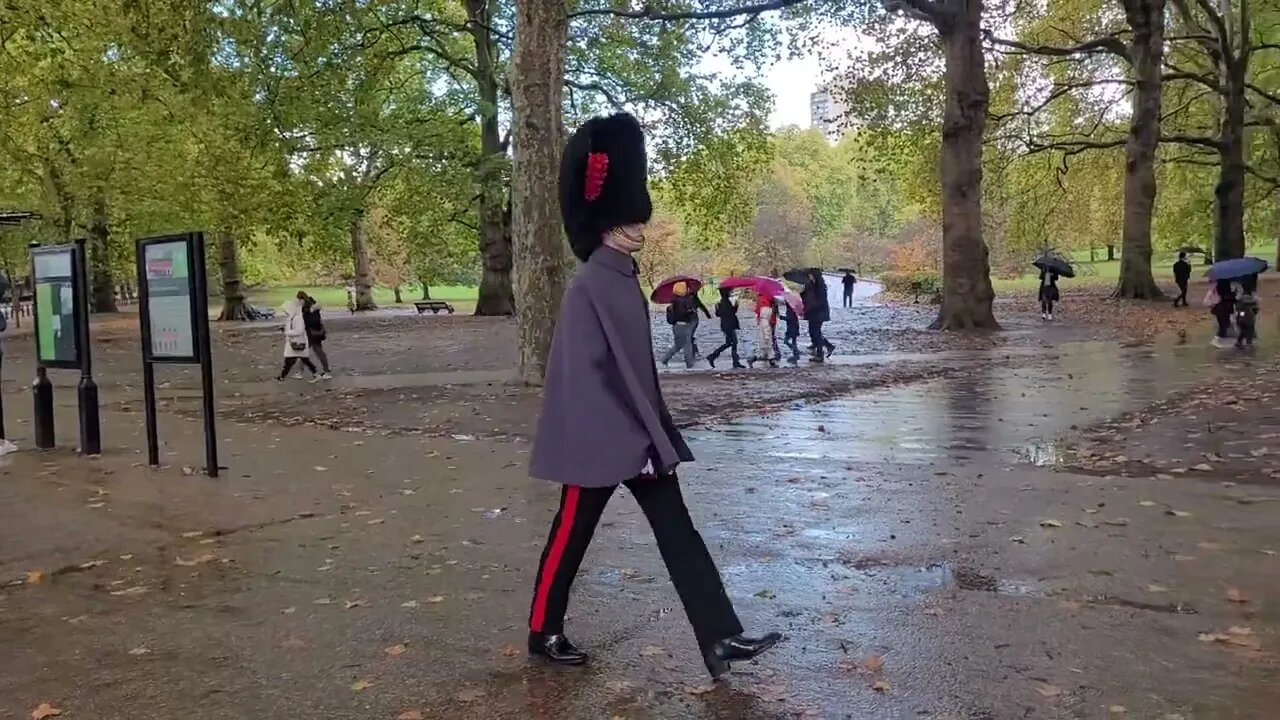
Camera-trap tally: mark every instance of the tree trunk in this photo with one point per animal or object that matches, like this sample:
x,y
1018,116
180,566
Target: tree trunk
x,y
398,300
541,36
1275,139
233,305
966,271
426,291
102,288
1228,195
364,273
1111,252
1146,51
495,296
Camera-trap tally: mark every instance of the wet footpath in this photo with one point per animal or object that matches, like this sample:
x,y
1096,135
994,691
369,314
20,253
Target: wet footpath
x,y
926,548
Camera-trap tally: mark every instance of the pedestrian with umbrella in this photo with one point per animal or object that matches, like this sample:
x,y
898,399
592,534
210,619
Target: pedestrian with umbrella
x,y
604,422
682,315
727,311
817,310
1181,276
1052,266
1223,297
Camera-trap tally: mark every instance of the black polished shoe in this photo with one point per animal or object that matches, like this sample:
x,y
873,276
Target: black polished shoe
x,y
736,648
556,648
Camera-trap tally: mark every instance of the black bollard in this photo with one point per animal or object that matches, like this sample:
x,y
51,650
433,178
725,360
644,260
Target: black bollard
x,y
90,430
42,393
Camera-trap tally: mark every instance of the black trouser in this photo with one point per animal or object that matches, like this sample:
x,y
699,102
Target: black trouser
x,y
691,568
289,362
1046,306
1224,322
848,297
730,344
790,340
1182,294
817,341
317,349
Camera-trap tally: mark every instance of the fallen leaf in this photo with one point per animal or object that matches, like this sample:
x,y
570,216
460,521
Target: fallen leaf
x,y
652,650
1203,467
436,599
469,695
396,650
1047,690
1118,522
509,650
320,468
354,604
192,534
417,539
140,650
361,685
410,715
1177,513
35,577
1234,595
322,601
1050,523
766,594
872,663
1157,588
206,558
91,564
288,611
409,604
1018,539
127,557
138,590
1147,503
700,690
1116,712
881,686
44,710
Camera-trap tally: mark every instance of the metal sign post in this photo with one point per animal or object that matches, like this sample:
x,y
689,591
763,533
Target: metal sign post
x,y
60,307
174,312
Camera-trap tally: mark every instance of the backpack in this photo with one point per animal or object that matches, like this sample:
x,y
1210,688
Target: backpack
x,y
673,315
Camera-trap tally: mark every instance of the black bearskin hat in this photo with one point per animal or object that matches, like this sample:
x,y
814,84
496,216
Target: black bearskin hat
x,y
603,181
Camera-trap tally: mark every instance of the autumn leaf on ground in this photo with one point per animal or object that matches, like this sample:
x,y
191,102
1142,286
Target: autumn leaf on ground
x,y
1157,588
192,534
35,577
140,650
509,650
44,710
1234,595
396,650
436,599
1050,523
409,604
350,604
652,650
700,689
881,686
410,715
766,594
203,559
1116,712
1236,635
1047,690
361,685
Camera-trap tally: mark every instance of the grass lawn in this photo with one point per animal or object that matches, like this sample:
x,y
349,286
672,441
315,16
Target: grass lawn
x,y
334,298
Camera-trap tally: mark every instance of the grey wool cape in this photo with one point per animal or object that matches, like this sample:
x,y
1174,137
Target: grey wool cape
x,y
603,417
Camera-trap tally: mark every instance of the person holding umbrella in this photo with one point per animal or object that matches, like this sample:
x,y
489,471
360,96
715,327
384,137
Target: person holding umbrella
x,y
727,311
682,314
1181,276
1048,293
848,281
604,422
767,325
1222,298
816,311
1247,311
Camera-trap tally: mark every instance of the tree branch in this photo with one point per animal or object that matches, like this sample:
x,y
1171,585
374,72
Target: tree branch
x,y
1109,44
648,12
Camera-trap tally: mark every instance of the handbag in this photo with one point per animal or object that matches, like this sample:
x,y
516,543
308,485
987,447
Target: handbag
x,y
297,345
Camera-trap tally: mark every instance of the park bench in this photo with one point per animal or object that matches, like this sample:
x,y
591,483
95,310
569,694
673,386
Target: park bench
x,y
435,306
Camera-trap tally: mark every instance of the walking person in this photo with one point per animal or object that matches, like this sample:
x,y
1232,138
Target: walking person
x,y
1222,300
682,315
296,347
792,335
816,311
603,421
727,311
848,281
1247,311
1048,293
767,327
316,334
1181,276
698,306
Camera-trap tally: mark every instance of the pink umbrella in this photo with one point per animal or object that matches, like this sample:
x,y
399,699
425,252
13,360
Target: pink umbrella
x,y
758,284
794,301
665,291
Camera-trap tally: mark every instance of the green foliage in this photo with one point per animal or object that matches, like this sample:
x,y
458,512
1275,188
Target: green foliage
x,y
925,284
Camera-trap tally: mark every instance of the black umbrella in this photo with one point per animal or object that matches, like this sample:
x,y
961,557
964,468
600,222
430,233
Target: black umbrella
x,y
799,276
1055,264
1191,250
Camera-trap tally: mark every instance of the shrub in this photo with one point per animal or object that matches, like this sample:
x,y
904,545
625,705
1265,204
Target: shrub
x,y
916,285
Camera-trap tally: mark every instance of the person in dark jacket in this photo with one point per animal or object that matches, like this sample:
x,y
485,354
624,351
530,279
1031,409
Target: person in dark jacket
x,y
316,334
698,306
1222,309
682,315
1048,293
792,334
727,311
603,421
1247,312
1181,276
848,281
817,311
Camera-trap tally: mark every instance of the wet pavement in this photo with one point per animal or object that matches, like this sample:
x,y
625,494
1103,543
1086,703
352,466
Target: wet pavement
x,y
923,545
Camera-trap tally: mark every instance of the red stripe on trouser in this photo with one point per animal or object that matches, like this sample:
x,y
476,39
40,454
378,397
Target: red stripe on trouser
x,y
552,564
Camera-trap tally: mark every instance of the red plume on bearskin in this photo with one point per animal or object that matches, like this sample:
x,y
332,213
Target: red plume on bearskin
x,y
597,169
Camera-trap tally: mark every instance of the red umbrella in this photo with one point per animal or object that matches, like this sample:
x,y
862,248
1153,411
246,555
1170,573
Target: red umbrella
x,y
665,291
758,284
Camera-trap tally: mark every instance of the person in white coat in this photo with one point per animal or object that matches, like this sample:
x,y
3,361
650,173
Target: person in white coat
x,y
296,347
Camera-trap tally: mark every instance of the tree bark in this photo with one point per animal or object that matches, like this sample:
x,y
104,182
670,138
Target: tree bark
x,y
539,60
496,297
233,305
102,288
966,271
426,291
1146,51
1228,194
398,300
364,271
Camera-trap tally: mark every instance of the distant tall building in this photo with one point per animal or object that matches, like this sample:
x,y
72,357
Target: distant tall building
x,y
826,113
